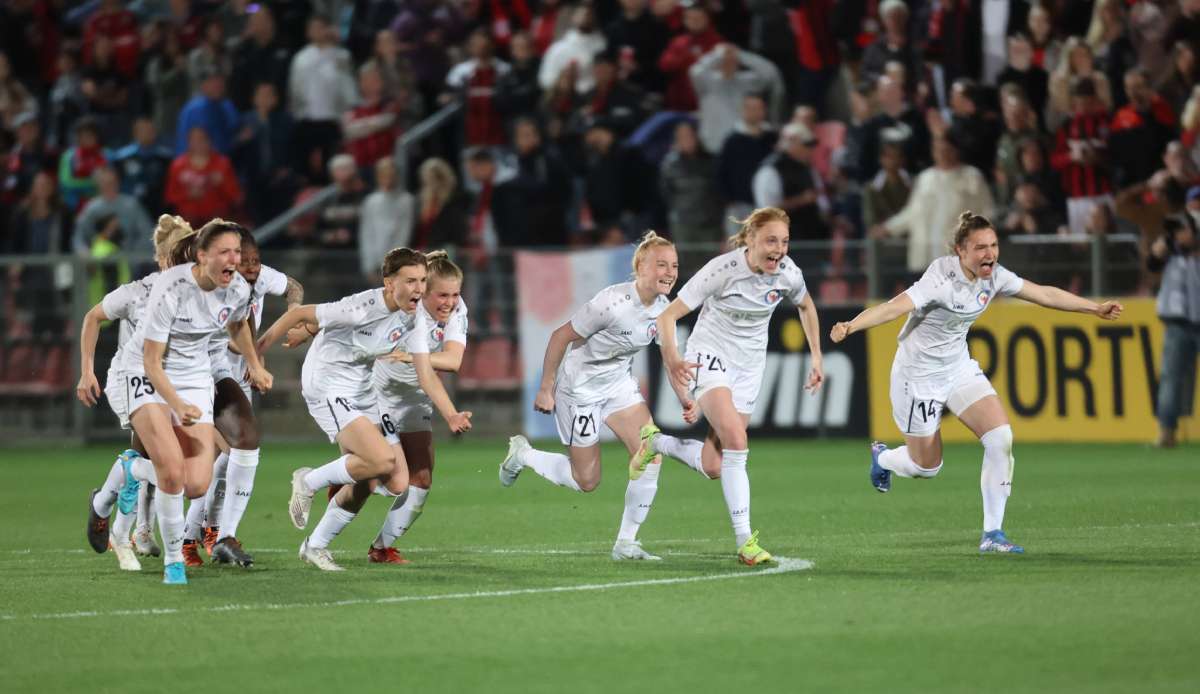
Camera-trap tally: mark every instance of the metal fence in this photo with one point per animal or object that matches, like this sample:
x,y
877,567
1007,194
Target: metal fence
x,y
44,298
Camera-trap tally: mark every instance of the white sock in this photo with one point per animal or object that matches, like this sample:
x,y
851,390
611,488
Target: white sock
x,y
170,524
639,497
122,524
195,519
995,481
143,470
897,460
735,485
686,451
145,508
404,512
382,490
555,467
239,485
332,523
330,473
214,500
103,502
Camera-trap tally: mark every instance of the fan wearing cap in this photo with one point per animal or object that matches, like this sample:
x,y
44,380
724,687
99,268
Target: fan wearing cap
x,y
788,181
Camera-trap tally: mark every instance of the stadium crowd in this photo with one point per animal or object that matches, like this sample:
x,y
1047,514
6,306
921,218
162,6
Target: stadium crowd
x,y
585,123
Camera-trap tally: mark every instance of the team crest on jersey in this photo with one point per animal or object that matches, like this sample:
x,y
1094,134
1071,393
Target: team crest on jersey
x,y
437,334
395,335
652,331
774,296
224,314
983,298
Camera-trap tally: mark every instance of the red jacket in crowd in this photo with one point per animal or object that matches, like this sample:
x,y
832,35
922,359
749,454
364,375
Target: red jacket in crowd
x,y
684,50
122,27
200,191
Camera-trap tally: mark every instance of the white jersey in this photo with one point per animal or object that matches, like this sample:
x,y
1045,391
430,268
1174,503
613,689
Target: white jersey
x,y
126,303
933,341
616,325
270,282
354,332
400,379
185,317
737,304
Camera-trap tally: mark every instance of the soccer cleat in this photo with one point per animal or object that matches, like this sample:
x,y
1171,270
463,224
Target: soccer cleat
x,y
880,479
229,551
126,558
128,495
144,544
174,574
318,557
208,539
631,549
646,452
191,554
97,527
301,502
751,554
512,465
997,541
387,555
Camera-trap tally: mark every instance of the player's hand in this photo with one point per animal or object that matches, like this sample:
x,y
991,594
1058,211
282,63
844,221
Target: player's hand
x,y
816,376
88,390
1110,310
460,422
543,402
840,331
398,357
297,336
187,413
681,372
691,412
261,379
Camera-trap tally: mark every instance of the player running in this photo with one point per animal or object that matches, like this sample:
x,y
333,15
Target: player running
x,y
168,375
125,303
933,369
587,379
726,352
337,385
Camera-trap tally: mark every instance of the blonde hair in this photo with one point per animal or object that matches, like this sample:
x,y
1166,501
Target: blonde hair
x,y
442,267
755,221
649,240
437,183
170,231
1097,27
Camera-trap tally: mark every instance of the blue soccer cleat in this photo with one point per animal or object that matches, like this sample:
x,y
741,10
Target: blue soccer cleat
x,y
174,574
128,495
997,541
880,479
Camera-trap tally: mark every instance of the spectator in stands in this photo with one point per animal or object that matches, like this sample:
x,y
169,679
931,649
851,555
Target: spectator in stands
x,y
260,56
722,78
78,163
370,129
474,81
550,23
687,184
1177,255
143,165
493,223
577,47
210,111
262,158
106,242
896,121
1076,62
67,101
107,92
425,30
1140,131
1184,75
683,51
320,90
27,157
1046,46
1035,165
441,206
338,217
975,130
133,221
892,44
15,99
940,194
542,186
887,193
40,225
1178,175
830,136
1020,124
787,180
518,93
618,102
119,27
615,181
399,79
751,141
186,23
211,55
1111,38
168,83
1021,71
638,38
386,219
201,183
1031,212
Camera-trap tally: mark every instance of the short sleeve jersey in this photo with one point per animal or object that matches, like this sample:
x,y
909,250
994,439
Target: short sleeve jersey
x,y
354,332
270,281
186,318
737,303
126,304
933,341
615,325
399,378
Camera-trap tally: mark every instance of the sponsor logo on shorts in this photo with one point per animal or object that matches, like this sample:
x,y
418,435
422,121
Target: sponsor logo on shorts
x,y
773,296
223,315
983,297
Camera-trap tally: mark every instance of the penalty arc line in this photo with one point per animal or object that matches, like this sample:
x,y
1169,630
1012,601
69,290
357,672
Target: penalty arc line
x,y
785,565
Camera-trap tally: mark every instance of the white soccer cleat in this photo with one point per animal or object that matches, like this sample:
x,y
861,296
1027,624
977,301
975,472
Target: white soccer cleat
x,y
511,467
125,555
626,550
318,557
301,502
144,544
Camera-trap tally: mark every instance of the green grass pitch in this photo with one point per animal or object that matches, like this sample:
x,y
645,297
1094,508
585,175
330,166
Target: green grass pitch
x,y
512,590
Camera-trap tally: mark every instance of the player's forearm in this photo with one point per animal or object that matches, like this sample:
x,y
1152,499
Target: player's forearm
x,y
241,335
1061,299
553,358
667,343
89,333
433,387
445,361
290,319
811,324
294,295
876,315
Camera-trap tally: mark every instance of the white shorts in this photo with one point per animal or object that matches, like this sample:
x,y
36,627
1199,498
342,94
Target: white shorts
x,y
579,422
720,371
139,391
404,414
333,412
114,390
917,405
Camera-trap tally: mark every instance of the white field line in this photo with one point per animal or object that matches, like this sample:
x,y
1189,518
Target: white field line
x,y
784,565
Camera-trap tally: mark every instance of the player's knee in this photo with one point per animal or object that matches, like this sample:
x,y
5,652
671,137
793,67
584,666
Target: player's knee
x,y
195,490
397,487
712,468
735,440
999,439
422,478
247,436
588,484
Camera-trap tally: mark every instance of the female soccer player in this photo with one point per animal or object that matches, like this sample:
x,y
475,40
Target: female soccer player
x,y
336,380
933,370
125,303
726,351
587,379
406,412
168,375
233,416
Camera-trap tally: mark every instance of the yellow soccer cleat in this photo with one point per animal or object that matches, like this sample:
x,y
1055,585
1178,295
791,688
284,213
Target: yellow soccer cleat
x,y
751,554
646,453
